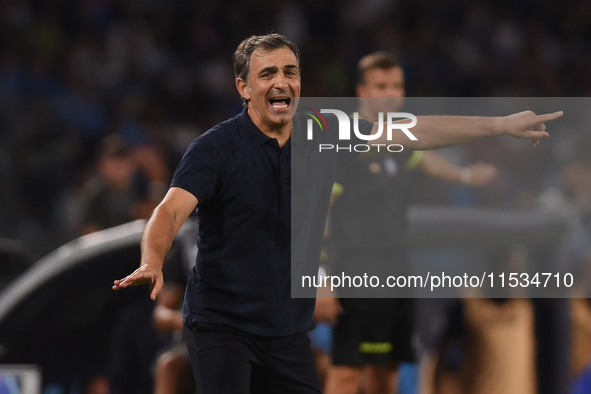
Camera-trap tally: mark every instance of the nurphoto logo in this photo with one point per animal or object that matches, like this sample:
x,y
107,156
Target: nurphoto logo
x,y
345,129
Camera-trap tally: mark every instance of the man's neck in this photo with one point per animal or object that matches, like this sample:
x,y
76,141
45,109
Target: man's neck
x,y
368,115
282,132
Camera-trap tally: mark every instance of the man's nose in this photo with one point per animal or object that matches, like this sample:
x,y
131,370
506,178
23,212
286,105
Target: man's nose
x,y
281,81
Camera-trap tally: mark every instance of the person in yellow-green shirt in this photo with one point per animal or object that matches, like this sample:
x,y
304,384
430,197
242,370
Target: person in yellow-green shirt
x,y
372,336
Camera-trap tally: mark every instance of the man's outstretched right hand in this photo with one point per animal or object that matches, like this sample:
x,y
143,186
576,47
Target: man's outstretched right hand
x,y
141,276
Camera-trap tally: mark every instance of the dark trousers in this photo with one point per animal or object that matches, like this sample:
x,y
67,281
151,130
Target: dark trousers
x,y
227,360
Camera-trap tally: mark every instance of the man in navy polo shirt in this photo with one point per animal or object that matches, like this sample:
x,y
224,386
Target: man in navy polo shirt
x,y
244,331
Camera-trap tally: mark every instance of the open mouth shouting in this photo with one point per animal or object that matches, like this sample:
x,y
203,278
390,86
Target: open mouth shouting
x,y
280,103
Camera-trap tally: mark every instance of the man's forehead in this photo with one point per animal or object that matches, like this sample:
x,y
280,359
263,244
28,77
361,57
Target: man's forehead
x,y
385,71
380,74
262,56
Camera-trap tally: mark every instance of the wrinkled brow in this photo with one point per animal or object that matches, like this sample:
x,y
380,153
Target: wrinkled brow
x,y
274,69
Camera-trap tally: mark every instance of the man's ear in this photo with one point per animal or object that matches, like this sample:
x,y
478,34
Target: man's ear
x,y
243,88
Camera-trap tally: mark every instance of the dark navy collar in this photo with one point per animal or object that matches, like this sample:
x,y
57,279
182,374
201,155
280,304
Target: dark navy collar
x,y
253,131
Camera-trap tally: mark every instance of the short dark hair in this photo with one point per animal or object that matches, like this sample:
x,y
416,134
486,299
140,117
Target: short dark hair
x,y
380,60
268,42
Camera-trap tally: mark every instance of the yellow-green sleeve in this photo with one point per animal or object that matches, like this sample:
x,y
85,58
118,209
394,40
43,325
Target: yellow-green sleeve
x,y
413,161
337,189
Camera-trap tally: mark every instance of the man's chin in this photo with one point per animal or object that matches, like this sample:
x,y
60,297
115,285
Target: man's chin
x,y
282,118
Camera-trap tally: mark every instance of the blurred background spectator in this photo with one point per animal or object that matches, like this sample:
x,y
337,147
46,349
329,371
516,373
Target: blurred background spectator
x,y
117,193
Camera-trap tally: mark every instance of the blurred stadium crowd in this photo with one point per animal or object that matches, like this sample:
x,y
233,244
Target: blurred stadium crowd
x,y
158,73
100,98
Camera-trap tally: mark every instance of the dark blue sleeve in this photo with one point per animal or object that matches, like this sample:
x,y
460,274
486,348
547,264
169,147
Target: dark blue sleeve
x,y
199,169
